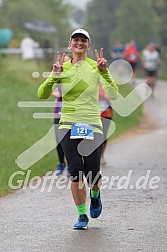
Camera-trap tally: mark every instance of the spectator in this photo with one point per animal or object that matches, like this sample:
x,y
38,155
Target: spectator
x,y
27,47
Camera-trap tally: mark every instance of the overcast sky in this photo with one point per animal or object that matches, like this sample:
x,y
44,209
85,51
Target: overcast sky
x,y
78,3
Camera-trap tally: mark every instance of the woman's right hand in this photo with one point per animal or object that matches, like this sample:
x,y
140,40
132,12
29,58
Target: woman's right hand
x,y
58,65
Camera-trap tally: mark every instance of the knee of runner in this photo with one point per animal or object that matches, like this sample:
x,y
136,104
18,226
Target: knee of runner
x,y
94,179
77,176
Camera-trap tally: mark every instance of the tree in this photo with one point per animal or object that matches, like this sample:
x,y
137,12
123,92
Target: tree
x,y
101,22
161,10
109,20
18,12
136,20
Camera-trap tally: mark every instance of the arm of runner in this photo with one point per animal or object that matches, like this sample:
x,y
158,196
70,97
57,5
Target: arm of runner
x,y
58,65
45,89
109,85
106,79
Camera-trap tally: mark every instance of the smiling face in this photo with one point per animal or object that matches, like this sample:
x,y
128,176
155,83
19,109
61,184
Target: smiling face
x,y
79,44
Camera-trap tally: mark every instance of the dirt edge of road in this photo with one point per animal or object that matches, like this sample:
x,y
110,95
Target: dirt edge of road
x,y
146,125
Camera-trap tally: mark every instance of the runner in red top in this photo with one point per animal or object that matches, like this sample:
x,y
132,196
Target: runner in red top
x,y
131,55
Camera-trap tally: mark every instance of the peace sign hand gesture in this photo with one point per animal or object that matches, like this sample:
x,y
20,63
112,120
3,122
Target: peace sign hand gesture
x,y
58,65
101,61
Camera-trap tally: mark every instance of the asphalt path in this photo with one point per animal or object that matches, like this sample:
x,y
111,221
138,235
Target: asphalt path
x,y
134,196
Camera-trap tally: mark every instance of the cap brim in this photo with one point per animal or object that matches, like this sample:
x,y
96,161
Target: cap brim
x,y
76,34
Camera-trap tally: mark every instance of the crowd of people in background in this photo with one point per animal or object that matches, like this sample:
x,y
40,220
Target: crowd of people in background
x,y
149,59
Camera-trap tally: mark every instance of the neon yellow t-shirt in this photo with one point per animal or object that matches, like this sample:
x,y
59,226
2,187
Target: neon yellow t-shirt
x,y
80,92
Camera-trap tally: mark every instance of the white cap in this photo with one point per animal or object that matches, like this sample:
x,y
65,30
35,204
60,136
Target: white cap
x,y
80,31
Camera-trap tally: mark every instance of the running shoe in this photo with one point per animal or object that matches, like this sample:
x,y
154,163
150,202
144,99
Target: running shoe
x,y
60,168
95,206
82,222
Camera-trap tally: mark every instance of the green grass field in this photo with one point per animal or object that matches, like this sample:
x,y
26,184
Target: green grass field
x,y
19,130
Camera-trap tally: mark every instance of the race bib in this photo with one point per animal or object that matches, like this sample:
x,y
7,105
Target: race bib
x,y
133,56
82,130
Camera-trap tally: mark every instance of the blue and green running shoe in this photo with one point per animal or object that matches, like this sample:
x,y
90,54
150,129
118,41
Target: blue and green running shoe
x,y
95,206
82,222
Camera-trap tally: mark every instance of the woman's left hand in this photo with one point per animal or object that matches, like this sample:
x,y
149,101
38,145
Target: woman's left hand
x,y
101,61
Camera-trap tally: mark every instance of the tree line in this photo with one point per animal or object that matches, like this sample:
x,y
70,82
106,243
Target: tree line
x,y
143,21
106,20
